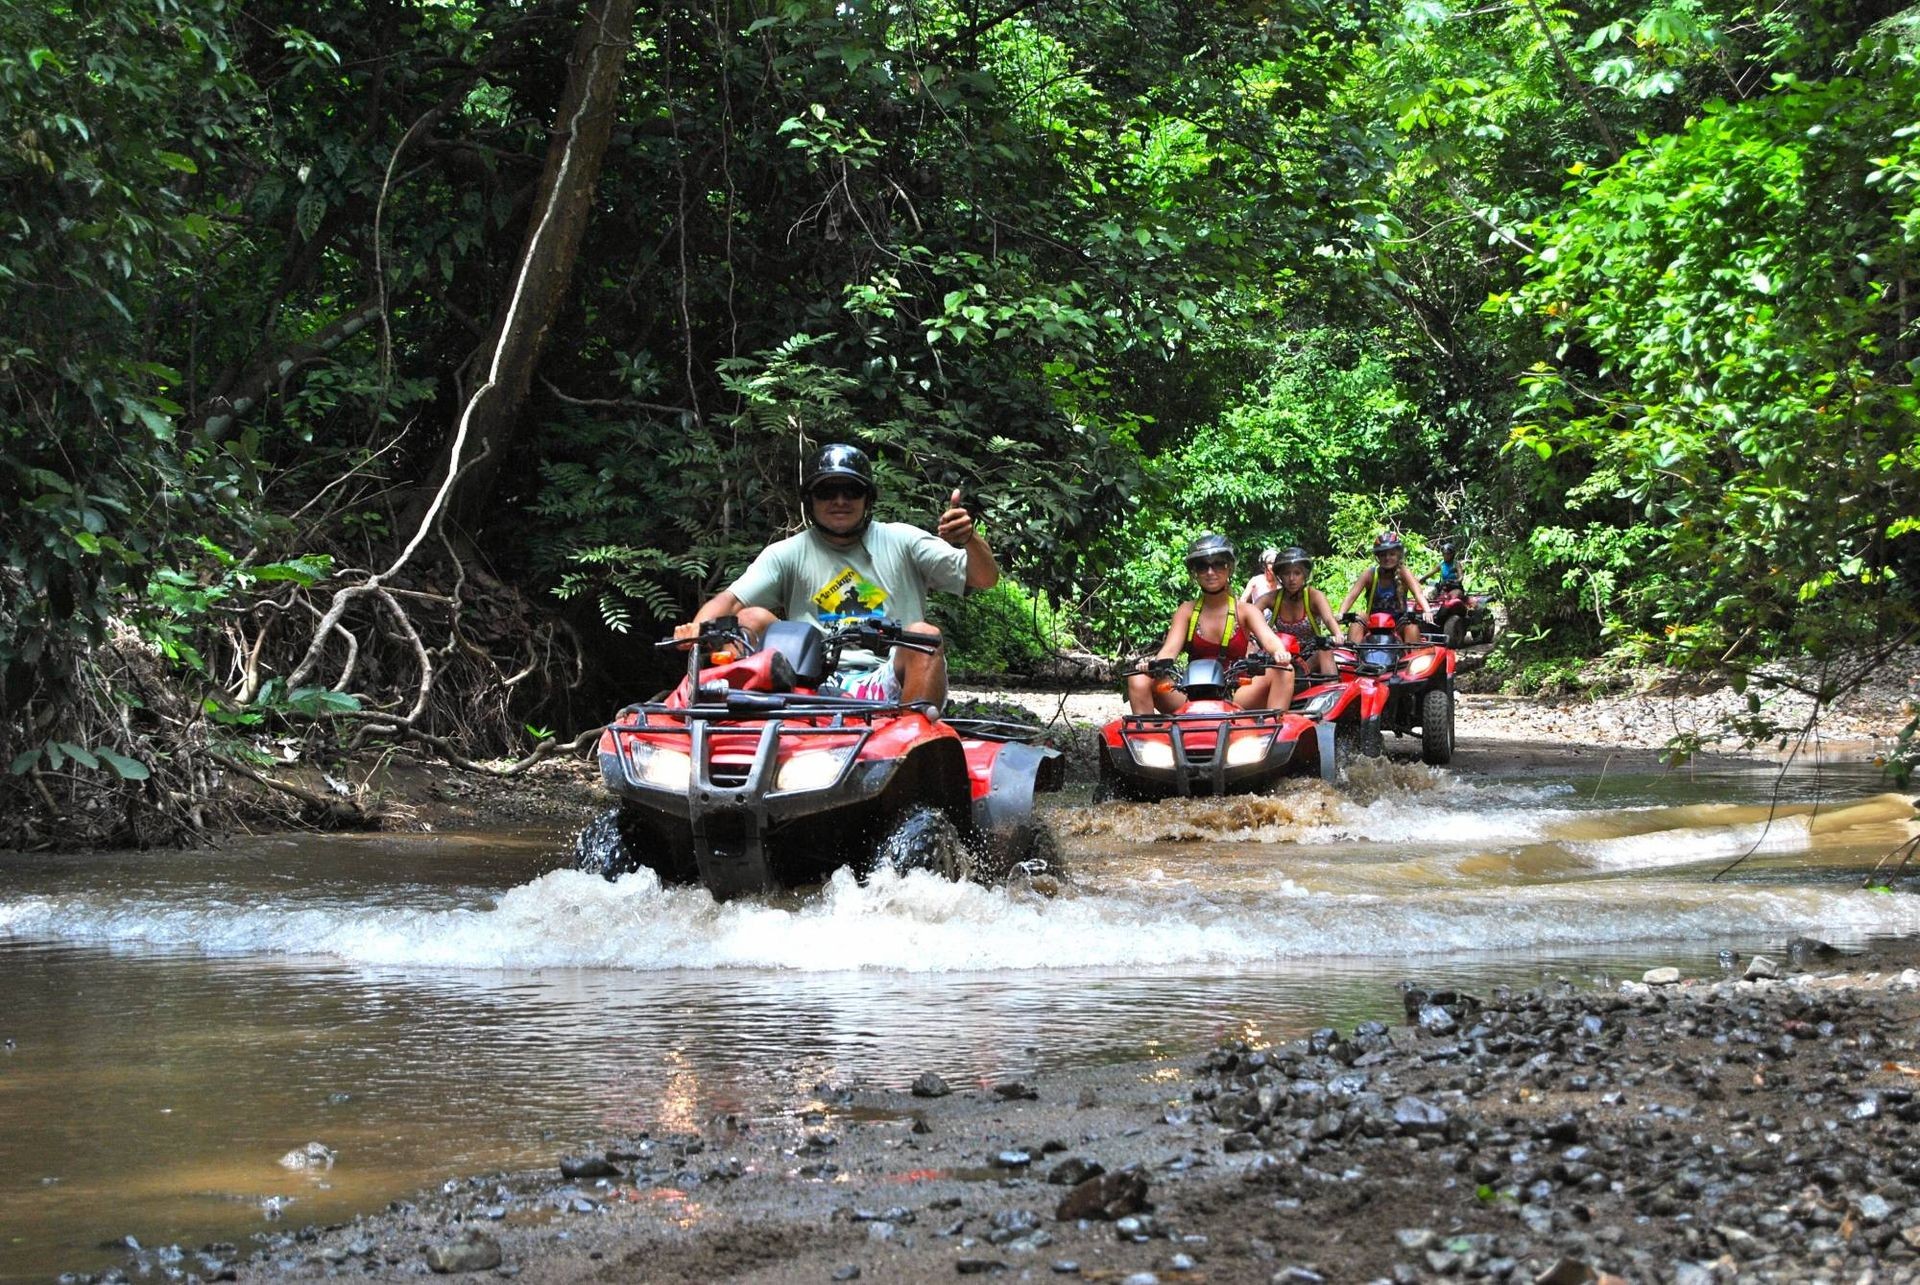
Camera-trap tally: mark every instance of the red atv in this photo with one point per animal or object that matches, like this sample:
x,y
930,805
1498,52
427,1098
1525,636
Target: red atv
x,y
1458,615
1210,746
752,774
1351,702
1418,683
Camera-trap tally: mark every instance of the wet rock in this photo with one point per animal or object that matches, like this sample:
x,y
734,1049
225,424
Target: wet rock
x,y
588,1167
1436,1020
1761,969
1728,958
1660,977
1413,1115
474,1251
1014,1091
1073,1171
1805,949
978,1266
1108,1196
315,1155
929,1085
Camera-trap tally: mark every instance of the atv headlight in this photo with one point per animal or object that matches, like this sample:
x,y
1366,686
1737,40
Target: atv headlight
x,y
1319,703
1154,754
1421,666
661,768
811,770
1248,749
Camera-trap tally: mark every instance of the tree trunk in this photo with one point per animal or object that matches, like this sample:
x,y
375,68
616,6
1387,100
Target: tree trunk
x,y
511,352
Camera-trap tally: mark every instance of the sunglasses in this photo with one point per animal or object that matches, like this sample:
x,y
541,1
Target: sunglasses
x,y
1209,564
839,491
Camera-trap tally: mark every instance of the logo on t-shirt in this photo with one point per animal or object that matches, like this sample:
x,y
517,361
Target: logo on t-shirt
x,y
850,594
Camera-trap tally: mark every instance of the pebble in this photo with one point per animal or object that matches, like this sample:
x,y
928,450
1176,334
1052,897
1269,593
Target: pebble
x,y
1660,976
474,1251
929,1085
851,1272
1761,969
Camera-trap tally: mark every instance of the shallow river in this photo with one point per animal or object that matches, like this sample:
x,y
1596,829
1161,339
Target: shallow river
x,y
430,1006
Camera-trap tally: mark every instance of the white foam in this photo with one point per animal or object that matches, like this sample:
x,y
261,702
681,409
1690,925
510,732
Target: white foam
x,y
919,923
1686,845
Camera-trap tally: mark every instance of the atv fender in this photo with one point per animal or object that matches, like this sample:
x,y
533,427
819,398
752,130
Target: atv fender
x,y
1018,770
1323,734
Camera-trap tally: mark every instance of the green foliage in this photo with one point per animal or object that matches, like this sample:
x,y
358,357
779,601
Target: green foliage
x,y
1733,353
1002,630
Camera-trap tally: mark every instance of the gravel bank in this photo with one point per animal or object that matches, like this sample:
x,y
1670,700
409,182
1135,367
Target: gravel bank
x,y
1706,1129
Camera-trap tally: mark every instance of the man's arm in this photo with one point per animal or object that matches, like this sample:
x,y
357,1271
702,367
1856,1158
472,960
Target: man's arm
x,y
721,604
956,528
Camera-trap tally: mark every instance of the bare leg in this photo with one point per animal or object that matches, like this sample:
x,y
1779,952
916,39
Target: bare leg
x,y
1139,694
923,677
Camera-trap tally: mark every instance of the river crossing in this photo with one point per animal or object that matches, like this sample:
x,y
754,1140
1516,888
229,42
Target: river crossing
x,y
179,1027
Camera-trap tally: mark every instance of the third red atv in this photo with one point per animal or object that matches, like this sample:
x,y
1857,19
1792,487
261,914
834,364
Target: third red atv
x,y
1418,683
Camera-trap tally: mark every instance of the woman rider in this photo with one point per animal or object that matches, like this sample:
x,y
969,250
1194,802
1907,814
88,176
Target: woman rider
x,y
1296,608
1215,626
1389,587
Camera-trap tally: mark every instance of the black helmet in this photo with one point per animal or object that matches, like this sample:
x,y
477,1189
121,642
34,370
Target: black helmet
x,y
1292,554
839,462
1389,542
1446,548
1209,546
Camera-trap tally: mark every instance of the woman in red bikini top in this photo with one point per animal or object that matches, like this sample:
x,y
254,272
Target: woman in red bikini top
x,y
1215,627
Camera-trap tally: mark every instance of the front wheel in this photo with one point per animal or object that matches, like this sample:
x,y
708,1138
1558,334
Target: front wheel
x,y
927,839
620,840
1436,727
1456,631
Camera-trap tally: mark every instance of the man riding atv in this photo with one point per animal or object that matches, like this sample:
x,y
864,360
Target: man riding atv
x,y
847,565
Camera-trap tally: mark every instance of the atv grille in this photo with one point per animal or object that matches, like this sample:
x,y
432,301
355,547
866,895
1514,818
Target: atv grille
x,y
729,775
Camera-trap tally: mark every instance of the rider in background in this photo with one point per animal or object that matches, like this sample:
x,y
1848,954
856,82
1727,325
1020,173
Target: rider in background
x,y
1388,587
1448,572
847,565
1265,583
1297,608
1215,626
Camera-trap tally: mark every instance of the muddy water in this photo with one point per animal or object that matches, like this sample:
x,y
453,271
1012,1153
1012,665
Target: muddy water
x,y
427,1007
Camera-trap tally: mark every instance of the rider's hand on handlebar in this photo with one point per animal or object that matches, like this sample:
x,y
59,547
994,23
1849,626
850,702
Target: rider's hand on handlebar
x,y
687,632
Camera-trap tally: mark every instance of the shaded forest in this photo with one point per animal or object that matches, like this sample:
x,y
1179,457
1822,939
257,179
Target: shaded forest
x,y
394,373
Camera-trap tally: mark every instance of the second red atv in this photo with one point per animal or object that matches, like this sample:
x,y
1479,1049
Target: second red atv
x,y
1209,746
1418,683
753,775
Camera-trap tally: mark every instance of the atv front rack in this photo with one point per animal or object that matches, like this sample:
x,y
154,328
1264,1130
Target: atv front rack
x,y
1192,761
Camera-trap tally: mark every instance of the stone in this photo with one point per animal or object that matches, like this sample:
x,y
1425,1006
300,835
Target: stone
x,y
851,1272
1659,977
978,1266
1010,1159
929,1085
1014,1091
1761,969
474,1251
588,1167
1416,1115
1106,1196
1073,1171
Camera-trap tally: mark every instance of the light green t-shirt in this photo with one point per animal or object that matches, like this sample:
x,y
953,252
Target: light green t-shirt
x,y
889,573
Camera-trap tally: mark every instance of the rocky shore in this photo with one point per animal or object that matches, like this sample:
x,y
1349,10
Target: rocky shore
x,y
1760,1125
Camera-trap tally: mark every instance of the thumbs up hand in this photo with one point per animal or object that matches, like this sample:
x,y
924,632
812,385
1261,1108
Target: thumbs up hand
x,y
956,524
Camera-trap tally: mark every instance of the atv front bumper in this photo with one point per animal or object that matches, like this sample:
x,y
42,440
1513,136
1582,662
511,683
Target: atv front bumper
x,y
1177,756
